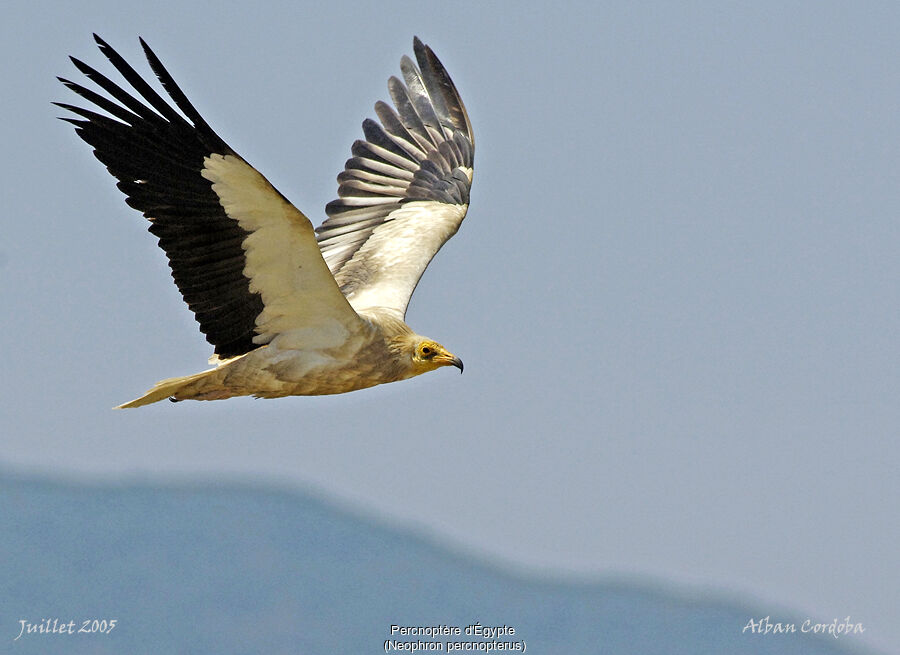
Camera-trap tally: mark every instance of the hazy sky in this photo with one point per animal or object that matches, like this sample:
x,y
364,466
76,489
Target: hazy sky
x,y
676,292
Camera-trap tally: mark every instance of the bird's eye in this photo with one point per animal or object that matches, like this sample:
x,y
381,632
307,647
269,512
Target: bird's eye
x,y
426,351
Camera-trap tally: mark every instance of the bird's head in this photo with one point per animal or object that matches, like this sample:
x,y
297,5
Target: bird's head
x,y
428,355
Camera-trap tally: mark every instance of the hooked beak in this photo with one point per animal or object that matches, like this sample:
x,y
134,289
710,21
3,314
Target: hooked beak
x,y
450,360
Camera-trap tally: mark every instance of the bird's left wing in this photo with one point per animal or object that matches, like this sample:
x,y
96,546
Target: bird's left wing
x,y
244,258
404,192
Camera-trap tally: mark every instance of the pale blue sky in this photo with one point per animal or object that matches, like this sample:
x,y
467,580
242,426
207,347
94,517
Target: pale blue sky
x,y
676,292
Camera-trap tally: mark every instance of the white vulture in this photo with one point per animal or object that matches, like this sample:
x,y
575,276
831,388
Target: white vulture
x,y
290,310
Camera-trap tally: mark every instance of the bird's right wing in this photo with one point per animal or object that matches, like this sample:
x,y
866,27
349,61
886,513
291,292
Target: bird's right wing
x,y
244,258
404,192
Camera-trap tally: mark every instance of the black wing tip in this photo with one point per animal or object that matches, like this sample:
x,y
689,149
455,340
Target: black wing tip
x,y
104,46
72,121
64,105
108,51
80,65
148,51
101,43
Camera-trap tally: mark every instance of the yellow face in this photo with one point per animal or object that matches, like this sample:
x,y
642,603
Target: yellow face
x,y
429,355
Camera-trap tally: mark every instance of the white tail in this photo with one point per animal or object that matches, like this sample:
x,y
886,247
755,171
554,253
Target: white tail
x,y
164,389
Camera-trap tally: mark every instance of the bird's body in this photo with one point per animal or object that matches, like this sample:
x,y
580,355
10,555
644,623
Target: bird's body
x,y
332,361
290,312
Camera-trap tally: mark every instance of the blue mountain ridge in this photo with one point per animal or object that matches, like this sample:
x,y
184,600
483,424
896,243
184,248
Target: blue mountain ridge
x,y
237,568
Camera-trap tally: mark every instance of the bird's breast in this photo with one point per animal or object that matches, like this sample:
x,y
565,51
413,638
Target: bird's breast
x,y
360,361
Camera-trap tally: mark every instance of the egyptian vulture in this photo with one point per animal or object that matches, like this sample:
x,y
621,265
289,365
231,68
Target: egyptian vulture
x,y
290,310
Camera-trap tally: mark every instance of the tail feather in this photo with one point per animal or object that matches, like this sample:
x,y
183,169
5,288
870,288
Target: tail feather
x,y
164,389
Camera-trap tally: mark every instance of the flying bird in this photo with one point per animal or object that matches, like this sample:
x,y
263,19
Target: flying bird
x,y
290,310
